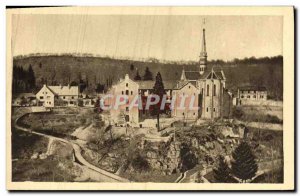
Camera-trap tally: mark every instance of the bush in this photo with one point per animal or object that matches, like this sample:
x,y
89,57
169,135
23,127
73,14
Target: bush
x,y
139,163
273,119
237,113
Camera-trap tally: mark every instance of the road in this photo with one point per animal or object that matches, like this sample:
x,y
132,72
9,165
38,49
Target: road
x,y
77,153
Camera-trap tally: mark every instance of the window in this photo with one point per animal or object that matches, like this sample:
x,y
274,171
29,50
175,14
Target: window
x,y
202,91
126,84
254,96
215,90
49,102
127,92
214,109
242,96
261,96
189,86
71,102
127,109
183,114
194,113
72,97
206,109
122,92
46,93
64,97
131,92
248,96
207,90
41,97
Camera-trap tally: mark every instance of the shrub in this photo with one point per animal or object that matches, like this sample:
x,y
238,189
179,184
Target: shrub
x,y
139,163
237,113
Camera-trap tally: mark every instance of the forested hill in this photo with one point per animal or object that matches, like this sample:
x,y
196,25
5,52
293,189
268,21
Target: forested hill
x,y
97,72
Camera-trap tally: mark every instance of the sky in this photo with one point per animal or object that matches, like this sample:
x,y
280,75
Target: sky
x,y
138,37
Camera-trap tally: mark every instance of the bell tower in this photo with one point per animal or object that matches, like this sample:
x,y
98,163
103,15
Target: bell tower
x,y
203,53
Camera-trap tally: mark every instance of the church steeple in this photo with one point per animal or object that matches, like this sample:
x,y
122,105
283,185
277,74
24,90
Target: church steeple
x,y
203,53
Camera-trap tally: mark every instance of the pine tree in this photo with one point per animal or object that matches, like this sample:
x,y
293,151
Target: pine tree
x,y
137,76
159,90
222,172
148,74
244,165
131,67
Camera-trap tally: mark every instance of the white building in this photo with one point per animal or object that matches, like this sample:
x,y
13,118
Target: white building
x,y
50,96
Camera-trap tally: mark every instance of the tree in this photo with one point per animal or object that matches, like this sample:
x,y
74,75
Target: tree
x,y
222,172
188,158
244,165
31,78
148,74
74,83
137,76
158,90
131,67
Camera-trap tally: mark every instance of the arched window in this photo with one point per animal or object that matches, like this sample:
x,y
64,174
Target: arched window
x,y
215,90
127,92
207,90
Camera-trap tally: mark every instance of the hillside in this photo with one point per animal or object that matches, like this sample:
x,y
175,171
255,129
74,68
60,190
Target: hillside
x,y
63,69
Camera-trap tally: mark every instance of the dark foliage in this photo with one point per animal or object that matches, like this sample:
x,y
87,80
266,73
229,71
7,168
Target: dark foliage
x,y
100,88
131,67
137,76
139,163
188,158
222,172
23,80
159,90
244,164
237,113
148,74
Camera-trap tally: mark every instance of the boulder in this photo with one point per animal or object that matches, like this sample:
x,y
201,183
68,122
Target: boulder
x,y
35,155
43,156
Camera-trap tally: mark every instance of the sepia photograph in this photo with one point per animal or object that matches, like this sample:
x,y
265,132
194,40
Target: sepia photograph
x,y
150,98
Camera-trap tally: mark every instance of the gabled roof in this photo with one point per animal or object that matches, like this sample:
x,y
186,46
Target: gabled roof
x,y
192,75
213,74
64,90
208,74
180,84
253,88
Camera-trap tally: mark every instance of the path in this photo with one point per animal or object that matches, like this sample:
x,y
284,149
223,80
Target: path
x,y
77,153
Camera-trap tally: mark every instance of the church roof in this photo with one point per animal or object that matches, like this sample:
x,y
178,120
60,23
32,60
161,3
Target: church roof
x,y
195,75
192,75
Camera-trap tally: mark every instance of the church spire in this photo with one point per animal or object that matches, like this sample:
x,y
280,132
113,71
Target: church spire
x,y
203,53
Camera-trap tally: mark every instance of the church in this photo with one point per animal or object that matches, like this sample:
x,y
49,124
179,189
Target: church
x,y
214,101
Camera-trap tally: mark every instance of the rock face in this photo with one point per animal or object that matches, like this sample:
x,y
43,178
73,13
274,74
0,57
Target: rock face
x,y
164,157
